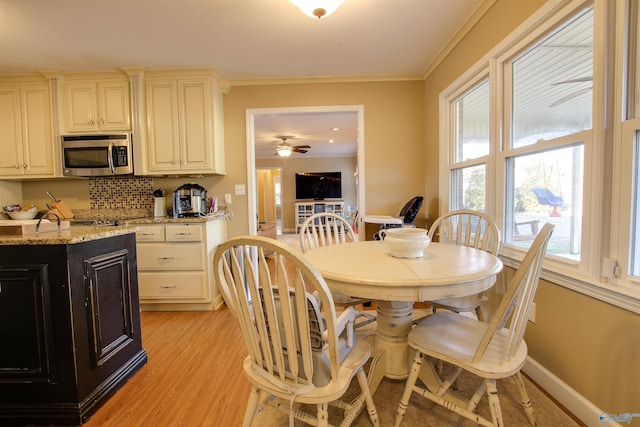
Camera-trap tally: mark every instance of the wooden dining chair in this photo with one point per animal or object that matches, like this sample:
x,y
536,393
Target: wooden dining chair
x,y
327,228
490,351
472,229
299,349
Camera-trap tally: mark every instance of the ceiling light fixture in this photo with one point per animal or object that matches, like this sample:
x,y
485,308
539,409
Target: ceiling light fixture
x,y
317,8
284,150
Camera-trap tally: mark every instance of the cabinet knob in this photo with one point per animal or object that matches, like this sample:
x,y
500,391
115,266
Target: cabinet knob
x,y
91,122
102,122
174,162
24,165
183,162
17,166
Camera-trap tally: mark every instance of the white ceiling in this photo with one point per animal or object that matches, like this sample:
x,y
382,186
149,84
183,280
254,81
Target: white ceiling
x,y
244,39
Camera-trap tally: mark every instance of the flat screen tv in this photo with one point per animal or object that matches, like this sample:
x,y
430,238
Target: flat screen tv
x,y
318,185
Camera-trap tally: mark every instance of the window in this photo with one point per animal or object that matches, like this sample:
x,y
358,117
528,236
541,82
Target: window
x,y
525,136
471,148
546,186
550,104
634,258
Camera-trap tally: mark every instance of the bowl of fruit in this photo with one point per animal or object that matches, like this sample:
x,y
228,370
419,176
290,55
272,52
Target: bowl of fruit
x,y
16,212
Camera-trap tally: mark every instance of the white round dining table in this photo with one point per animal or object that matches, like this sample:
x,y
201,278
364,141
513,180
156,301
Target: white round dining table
x,y
366,269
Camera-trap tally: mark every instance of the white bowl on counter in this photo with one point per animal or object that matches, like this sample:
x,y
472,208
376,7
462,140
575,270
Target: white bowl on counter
x,y
23,214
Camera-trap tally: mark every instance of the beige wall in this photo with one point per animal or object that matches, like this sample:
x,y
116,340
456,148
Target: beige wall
x,y
393,129
592,346
346,165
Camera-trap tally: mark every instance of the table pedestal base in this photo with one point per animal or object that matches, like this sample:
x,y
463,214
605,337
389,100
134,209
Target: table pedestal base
x,y
391,354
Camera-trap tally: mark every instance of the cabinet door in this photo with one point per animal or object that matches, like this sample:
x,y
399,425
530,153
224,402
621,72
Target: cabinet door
x,y
37,136
196,142
80,107
162,120
26,353
114,106
25,131
110,306
10,131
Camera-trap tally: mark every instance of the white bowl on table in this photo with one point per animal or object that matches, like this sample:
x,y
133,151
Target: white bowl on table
x,y
406,242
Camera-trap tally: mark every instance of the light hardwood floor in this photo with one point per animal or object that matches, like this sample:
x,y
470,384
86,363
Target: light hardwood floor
x,y
193,377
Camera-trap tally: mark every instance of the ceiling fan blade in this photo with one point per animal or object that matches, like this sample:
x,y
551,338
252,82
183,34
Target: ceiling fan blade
x,y
302,146
297,150
578,80
570,96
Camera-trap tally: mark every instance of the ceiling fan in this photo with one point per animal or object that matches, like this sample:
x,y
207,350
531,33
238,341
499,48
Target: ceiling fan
x,y
284,149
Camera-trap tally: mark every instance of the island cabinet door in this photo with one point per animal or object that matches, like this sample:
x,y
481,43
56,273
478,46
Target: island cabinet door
x,y
106,316
26,348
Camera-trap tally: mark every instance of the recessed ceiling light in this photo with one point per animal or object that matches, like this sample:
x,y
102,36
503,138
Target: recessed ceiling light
x,y
335,128
331,141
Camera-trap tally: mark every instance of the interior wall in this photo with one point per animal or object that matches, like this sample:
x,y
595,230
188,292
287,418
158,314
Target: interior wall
x,y
591,345
394,135
346,165
10,193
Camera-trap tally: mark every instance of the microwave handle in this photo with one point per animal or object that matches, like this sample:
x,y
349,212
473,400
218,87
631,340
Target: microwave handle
x,y
110,158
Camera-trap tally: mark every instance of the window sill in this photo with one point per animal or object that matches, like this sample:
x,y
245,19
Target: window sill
x,y
620,296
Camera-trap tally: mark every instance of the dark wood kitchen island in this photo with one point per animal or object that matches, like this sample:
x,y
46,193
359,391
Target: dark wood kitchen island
x,y
69,323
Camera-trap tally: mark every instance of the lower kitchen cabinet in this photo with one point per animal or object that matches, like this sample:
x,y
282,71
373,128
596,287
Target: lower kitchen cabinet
x,y
69,328
175,265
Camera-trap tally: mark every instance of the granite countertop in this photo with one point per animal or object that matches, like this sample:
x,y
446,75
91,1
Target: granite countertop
x,y
85,233
75,234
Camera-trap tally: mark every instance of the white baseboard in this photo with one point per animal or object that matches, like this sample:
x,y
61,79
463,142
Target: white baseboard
x,y
577,404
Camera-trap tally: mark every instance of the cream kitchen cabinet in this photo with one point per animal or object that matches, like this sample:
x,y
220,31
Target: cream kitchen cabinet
x,y
184,124
175,263
26,132
97,106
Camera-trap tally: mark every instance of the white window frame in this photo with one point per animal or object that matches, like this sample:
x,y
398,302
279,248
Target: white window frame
x,y
447,151
627,114
604,199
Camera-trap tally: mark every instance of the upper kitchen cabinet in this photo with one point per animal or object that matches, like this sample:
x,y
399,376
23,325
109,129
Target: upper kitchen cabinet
x,y
26,131
184,115
102,105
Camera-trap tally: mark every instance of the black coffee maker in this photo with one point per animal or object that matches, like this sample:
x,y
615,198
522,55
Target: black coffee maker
x,y
189,200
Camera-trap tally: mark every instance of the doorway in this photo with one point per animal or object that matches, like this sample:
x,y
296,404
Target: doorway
x,y
252,115
269,196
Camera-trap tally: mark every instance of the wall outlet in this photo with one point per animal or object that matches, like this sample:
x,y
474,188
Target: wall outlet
x,y
227,199
532,313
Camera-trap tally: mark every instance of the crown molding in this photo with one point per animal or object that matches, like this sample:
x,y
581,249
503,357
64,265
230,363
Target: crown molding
x,y
325,79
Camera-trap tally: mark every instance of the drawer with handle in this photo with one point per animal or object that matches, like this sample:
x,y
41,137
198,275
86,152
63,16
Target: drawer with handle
x,y
172,286
151,234
159,256
183,233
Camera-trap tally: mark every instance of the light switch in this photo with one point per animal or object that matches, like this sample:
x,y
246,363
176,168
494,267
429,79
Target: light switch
x,y
240,191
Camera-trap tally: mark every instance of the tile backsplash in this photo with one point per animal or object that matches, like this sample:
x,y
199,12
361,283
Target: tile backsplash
x,y
121,192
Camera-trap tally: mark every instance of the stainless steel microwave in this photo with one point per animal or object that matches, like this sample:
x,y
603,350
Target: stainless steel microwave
x,y
97,155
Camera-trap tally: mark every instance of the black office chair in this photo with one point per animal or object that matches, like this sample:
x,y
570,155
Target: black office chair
x,y
407,214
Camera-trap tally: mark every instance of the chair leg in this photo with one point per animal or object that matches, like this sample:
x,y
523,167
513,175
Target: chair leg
x,y
371,407
408,388
494,403
323,414
524,398
252,404
480,314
